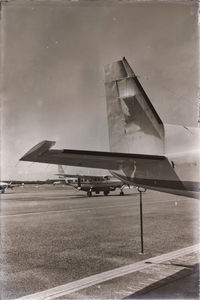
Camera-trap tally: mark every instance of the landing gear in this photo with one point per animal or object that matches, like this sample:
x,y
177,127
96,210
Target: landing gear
x,y
89,194
121,193
3,190
106,193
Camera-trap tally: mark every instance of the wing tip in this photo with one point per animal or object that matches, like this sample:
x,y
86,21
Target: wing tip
x,y
38,149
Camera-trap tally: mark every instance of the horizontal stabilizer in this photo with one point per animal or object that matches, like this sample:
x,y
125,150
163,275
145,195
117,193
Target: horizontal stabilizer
x,y
132,165
82,158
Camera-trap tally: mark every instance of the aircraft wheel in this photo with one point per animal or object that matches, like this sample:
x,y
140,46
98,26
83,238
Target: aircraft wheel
x,y
121,193
3,190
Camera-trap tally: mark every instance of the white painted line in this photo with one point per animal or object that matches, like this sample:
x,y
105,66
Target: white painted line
x,y
78,209
75,286
64,210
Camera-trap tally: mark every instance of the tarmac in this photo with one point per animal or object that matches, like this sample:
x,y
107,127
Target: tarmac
x,y
58,244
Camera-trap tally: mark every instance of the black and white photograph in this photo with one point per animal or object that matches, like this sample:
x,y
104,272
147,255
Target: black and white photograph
x,y
100,149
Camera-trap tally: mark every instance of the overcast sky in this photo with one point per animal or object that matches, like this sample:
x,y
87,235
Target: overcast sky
x,y
53,78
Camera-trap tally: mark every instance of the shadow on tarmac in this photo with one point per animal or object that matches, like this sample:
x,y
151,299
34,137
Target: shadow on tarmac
x,y
181,285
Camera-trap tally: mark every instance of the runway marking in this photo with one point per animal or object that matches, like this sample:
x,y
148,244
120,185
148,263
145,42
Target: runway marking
x,y
78,285
64,210
79,209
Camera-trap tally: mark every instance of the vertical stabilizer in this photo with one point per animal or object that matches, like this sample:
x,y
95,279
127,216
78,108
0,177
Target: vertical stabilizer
x,y
134,125
60,169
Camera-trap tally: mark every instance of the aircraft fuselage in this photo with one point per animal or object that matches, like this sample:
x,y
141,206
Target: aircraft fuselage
x,y
181,172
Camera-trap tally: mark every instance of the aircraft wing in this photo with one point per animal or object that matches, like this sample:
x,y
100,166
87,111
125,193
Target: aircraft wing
x,y
43,153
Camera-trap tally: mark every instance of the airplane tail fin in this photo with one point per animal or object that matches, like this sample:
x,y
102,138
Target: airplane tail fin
x,y
60,169
134,125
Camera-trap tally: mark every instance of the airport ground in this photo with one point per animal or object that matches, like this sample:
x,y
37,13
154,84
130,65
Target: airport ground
x,y
54,235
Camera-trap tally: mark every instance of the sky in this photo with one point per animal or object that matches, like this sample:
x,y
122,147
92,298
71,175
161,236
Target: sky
x,y
52,62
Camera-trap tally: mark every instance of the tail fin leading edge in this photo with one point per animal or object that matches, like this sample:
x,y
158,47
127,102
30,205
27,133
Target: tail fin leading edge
x,y
134,125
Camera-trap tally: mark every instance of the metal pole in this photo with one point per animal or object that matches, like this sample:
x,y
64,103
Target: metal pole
x,y
141,223
141,190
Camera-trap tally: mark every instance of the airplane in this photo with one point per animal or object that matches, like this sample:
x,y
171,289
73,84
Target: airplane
x,y
57,182
6,185
92,183
143,151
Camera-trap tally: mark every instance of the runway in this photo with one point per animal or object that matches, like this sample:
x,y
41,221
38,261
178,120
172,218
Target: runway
x,y
56,235
84,283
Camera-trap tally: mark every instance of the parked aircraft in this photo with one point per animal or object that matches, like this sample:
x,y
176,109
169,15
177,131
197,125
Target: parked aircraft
x,y
92,183
58,182
144,151
8,185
